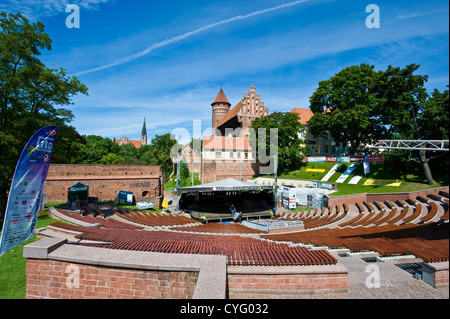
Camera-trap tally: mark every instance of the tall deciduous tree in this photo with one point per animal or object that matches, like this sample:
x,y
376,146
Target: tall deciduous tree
x,y
31,95
402,102
344,105
291,147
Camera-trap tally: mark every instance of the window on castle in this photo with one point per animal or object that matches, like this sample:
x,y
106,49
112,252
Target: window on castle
x,y
218,154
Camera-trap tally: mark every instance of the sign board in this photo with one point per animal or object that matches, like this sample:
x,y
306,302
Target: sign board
x,y
289,198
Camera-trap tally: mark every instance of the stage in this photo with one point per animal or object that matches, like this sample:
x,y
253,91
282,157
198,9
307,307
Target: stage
x,y
216,201
217,217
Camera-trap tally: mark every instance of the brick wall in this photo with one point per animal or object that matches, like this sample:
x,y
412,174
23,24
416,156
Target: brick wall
x,y
441,278
56,279
61,170
214,171
436,274
105,181
261,286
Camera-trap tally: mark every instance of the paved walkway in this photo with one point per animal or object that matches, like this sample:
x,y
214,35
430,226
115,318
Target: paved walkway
x,y
396,276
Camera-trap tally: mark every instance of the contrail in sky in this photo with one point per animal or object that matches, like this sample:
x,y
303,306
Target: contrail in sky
x,y
188,34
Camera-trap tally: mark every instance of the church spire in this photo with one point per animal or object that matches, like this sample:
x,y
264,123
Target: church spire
x,y
144,129
144,135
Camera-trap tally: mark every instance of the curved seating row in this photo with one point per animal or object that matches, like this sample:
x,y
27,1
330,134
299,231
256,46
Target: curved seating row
x,y
239,250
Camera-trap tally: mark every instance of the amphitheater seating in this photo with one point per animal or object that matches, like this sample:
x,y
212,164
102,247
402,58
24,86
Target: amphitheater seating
x,y
416,214
239,250
390,228
352,221
219,228
104,222
431,214
400,230
151,219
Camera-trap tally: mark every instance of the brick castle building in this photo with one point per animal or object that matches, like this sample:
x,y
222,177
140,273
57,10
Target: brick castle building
x,y
228,153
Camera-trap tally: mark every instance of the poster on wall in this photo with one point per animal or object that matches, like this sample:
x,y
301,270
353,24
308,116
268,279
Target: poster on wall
x,y
27,187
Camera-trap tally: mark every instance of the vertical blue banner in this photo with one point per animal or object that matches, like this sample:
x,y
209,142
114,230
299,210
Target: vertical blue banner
x,y
27,187
366,164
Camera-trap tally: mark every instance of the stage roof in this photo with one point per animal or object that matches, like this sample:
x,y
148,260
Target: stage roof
x,y
228,184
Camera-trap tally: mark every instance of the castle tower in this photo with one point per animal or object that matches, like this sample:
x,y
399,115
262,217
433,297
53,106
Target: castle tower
x,y
144,135
220,107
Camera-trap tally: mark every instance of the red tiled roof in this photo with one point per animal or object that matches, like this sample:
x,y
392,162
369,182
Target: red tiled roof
x,y
226,143
221,98
233,112
304,114
136,144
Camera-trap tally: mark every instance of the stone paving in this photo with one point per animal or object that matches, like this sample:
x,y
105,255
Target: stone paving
x,y
396,277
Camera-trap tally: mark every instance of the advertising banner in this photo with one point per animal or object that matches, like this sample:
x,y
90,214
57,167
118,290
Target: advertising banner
x,y
27,188
330,173
289,198
346,174
355,179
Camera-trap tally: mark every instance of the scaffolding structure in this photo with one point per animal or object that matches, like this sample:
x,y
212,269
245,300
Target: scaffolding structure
x,y
413,145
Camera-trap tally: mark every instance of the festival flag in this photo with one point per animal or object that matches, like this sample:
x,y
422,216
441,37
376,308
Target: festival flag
x,y
366,164
24,200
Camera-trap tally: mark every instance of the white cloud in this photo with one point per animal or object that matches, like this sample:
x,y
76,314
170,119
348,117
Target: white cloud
x,y
189,34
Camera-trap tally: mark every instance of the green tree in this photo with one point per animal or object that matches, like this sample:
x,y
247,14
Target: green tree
x,y
129,152
402,100
31,95
185,177
164,148
70,147
97,147
111,158
434,119
290,148
344,106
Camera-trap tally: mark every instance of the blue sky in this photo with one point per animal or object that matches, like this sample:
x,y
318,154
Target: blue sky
x,y
166,60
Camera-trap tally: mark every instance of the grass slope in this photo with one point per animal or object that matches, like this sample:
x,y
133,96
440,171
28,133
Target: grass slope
x,y
413,181
13,266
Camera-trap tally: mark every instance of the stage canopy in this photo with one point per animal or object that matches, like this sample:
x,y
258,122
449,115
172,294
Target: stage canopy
x,y
228,184
213,201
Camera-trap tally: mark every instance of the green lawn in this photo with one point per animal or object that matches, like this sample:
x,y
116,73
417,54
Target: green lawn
x,y
13,265
413,181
